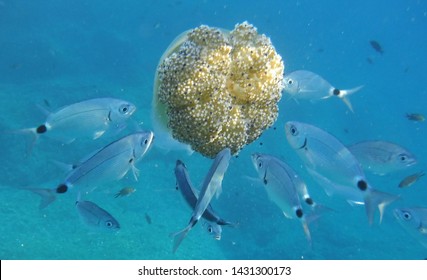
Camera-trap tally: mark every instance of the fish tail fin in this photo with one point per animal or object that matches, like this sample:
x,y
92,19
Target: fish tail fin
x,y
47,196
306,230
179,236
344,96
318,210
30,132
375,199
346,92
348,103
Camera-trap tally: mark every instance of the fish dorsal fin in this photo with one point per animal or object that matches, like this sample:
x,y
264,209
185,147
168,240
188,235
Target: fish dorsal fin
x,y
66,167
44,111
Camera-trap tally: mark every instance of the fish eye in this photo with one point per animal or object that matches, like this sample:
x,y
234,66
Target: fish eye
x,y
293,130
260,164
109,224
290,82
124,109
145,141
210,229
403,157
407,216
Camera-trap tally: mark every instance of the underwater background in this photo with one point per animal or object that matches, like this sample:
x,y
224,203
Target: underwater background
x,y
54,53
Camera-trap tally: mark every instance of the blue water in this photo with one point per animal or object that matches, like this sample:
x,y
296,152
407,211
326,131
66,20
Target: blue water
x,y
55,53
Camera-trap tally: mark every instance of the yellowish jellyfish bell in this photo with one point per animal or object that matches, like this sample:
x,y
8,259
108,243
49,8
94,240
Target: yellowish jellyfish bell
x,y
215,88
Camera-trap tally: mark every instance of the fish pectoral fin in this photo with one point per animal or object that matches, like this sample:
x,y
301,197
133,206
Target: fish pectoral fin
x,y
135,172
98,134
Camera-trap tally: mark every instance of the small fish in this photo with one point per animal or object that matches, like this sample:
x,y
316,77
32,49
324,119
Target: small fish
x,y
284,187
382,157
87,119
414,221
147,218
190,195
302,84
369,60
125,192
108,164
211,186
376,46
96,217
326,156
415,117
411,179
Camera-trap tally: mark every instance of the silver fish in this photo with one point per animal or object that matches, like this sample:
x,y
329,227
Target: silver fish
x,y
87,119
190,194
211,185
96,217
325,155
414,220
302,84
105,165
382,157
284,187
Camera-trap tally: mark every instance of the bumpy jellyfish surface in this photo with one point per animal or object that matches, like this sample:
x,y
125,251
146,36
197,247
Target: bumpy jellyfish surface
x,y
216,89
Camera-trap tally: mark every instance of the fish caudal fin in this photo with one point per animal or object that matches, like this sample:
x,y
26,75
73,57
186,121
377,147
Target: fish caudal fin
x,y
346,92
348,103
179,236
32,132
304,223
378,199
317,211
47,196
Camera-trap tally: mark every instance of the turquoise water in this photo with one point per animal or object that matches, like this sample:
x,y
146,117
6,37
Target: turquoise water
x,y
55,53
